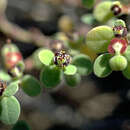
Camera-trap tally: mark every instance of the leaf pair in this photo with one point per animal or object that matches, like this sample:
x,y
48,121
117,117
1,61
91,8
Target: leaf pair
x,y
51,75
47,56
10,107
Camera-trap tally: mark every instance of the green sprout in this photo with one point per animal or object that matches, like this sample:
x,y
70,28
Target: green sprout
x,y
59,65
113,42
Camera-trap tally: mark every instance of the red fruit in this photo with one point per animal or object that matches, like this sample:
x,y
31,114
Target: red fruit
x,y
122,41
12,58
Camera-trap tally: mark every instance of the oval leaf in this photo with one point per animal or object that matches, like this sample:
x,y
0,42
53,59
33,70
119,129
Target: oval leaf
x,y
36,60
10,110
50,76
11,89
46,56
126,72
30,85
83,64
102,11
72,80
101,65
99,38
21,125
70,70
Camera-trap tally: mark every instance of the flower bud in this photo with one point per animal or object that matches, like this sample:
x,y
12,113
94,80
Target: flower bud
x,y
62,59
120,31
119,28
118,63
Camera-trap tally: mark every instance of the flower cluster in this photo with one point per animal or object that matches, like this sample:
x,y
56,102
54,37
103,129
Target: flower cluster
x,y
118,46
62,59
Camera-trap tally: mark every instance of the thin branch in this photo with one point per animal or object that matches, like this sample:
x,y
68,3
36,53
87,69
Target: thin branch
x,y
17,33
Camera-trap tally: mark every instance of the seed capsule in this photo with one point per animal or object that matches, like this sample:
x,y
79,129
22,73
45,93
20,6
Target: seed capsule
x,y
61,59
118,63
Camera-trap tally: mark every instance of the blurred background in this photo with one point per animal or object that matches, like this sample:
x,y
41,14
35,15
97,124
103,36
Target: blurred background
x,y
95,104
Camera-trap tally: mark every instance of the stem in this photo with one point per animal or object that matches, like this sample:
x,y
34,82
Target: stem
x,y
15,32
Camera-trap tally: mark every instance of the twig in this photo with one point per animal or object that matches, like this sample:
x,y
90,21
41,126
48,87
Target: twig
x,y
17,33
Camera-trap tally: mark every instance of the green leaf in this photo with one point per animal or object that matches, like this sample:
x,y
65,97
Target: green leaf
x,y
70,70
30,85
88,3
73,80
99,38
126,72
83,64
127,53
101,65
88,19
11,89
50,76
4,76
46,56
10,110
21,125
36,60
102,11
